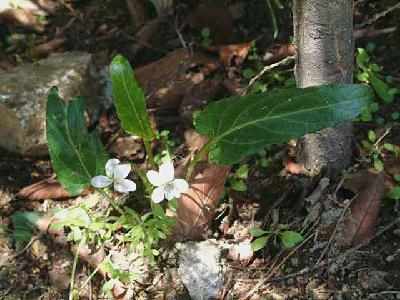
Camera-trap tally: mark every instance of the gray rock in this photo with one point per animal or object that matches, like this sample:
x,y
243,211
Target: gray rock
x,y
23,96
200,270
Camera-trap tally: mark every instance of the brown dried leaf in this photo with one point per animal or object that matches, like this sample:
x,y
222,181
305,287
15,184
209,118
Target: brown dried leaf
x,y
393,166
217,17
196,208
22,17
279,52
166,81
294,168
46,189
197,97
49,47
360,224
232,55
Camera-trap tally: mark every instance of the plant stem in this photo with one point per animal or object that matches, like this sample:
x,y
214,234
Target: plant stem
x,y
149,153
199,155
112,202
71,288
91,275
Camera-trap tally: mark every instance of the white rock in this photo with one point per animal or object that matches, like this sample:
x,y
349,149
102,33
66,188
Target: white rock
x,y
200,269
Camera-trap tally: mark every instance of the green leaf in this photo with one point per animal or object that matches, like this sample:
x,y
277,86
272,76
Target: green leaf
x,y
381,88
25,224
257,232
371,136
396,177
259,243
239,185
242,126
129,99
109,285
291,238
361,57
378,165
76,155
394,193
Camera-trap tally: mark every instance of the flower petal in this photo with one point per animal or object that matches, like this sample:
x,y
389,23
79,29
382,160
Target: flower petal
x,y
154,178
110,166
101,181
122,171
166,172
158,194
124,186
181,185
171,192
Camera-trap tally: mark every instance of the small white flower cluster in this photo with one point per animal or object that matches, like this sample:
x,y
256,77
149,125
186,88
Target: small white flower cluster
x,y
166,186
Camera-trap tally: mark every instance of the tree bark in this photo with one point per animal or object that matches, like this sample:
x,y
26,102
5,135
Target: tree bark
x,y
323,31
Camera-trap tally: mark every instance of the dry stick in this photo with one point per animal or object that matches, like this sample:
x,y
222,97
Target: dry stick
x,y
387,131
377,16
267,68
305,271
33,239
342,215
264,280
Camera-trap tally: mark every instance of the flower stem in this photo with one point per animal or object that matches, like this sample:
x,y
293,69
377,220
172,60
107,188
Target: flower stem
x,y
71,289
112,202
149,153
199,155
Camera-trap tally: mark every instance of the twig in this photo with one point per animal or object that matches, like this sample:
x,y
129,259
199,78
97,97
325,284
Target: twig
x,y
33,239
264,280
265,69
377,16
178,32
387,131
342,215
374,295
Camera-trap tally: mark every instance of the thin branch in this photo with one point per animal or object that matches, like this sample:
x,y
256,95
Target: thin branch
x,y
265,69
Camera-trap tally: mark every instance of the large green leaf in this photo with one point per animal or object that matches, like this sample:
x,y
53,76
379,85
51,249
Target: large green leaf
x,y
129,99
241,126
76,155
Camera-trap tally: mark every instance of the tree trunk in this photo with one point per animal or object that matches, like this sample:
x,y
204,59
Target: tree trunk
x,y
323,31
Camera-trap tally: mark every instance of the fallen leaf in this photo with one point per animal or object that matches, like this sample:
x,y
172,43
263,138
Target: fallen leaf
x,y
193,140
217,17
196,208
46,189
393,166
49,47
128,147
360,224
166,81
232,55
197,97
294,168
22,17
279,52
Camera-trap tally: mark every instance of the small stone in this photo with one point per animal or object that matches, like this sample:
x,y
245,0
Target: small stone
x,y
390,258
200,270
294,261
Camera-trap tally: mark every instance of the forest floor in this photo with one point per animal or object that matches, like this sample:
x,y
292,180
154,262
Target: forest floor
x,y
268,190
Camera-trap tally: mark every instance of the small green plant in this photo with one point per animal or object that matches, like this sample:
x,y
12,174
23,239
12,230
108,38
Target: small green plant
x,y
262,237
237,127
205,37
368,72
375,150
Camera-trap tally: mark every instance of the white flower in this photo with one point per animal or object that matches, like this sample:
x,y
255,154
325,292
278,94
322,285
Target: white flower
x,y
166,186
116,174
